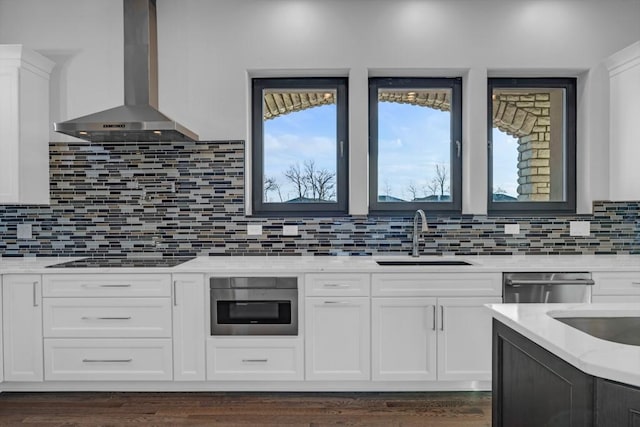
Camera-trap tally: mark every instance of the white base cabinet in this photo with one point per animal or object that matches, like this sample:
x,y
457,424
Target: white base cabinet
x,y
464,339
22,327
337,343
254,359
431,339
188,300
404,339
107,359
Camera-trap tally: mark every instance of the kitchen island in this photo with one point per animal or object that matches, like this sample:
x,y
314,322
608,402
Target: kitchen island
x,y
546,372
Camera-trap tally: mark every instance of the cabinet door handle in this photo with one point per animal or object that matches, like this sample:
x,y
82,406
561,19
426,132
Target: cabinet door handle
x,y
105,318
175,297
35,293
433,328
107,360
255,360
442,317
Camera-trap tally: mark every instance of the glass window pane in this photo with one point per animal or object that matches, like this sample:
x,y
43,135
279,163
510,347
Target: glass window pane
x,y
414,145
529,144
300,146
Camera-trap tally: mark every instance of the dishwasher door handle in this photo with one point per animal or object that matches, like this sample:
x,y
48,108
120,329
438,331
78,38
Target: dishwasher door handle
x,y
533,282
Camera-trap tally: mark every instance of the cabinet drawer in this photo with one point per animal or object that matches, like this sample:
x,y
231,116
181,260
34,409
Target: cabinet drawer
x,y
254,359
107,317
107,360
436,284
106,285
329,284
625,283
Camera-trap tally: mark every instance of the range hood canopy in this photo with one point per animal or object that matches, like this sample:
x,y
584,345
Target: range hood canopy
x,y
138,120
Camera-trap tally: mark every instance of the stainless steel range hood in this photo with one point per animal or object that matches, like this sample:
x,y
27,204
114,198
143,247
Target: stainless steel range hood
x,y
138,120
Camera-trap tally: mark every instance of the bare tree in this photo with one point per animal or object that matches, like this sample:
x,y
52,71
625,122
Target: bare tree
x,y
439,182
320,181
298,179
271,184
386,187
413,190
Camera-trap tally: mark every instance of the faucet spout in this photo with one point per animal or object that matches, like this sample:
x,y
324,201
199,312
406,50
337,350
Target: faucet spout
x,y
419,215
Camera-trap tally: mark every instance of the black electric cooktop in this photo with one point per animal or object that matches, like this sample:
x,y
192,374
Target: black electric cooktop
x,y
122,262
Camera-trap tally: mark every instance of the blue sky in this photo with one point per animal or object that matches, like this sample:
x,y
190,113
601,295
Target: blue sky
x,y
412,141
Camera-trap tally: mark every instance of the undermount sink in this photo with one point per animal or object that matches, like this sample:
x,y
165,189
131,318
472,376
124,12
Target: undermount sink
x,y
623,330
434,262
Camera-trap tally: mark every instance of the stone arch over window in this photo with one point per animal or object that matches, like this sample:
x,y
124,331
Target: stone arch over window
x,y
526,116
280,103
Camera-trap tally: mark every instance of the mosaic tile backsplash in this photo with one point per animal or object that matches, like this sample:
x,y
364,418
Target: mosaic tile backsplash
x,y
188,199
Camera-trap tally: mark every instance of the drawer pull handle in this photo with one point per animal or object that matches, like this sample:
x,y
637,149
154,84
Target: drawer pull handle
x,y
337,302
335,285
35,294
255,360
434,318
635,283
105,286
107,360
105,318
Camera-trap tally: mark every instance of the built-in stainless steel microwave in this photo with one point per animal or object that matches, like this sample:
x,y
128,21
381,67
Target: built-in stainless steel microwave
x,y
254,305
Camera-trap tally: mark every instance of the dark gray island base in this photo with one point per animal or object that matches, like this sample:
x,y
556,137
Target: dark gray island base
x,y
533,387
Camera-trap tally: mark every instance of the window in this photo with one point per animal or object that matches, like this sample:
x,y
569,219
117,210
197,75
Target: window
x,y
532,145
300,146
415,152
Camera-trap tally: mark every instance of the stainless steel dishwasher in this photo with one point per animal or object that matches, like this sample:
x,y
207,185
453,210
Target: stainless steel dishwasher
x,y
546,287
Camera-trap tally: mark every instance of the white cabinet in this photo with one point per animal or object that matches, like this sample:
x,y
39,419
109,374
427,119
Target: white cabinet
x,y
403,339
464,338
255,359
189,333
337,338
612,286
107,359
428,339
624,104
110,327
24,126
432,326
22,327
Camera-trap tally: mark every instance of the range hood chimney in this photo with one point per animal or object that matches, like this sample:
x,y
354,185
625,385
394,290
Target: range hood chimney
x,y
138,120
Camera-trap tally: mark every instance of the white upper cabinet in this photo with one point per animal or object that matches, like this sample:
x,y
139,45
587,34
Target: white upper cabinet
x,y
24,126
624,86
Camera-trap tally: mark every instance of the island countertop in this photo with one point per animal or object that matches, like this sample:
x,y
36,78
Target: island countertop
x,y
594,356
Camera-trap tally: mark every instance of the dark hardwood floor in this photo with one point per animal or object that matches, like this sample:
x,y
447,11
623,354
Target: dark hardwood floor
x,y
459,409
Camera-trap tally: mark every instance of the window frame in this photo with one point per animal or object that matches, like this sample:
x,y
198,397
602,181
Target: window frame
x,y
259,207
394,208
566,207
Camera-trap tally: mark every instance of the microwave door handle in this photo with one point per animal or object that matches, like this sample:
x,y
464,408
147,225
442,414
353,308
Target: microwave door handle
x,y
534,282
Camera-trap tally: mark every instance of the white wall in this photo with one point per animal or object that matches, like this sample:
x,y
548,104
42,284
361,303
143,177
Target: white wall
x,y
209,48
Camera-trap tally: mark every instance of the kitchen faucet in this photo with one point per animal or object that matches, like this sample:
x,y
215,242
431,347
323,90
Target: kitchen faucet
x,y
415,252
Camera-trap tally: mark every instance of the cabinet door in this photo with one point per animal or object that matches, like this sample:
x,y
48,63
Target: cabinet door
x,y
189,334
617,405
22,327
337,342
464,339
403,339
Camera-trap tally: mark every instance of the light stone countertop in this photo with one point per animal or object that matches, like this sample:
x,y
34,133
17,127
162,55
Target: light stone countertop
x,y
344,264
594,356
